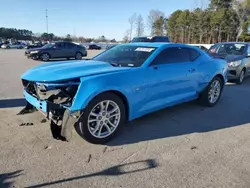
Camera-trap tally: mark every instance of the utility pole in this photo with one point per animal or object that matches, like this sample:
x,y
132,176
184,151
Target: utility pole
x,y
47,21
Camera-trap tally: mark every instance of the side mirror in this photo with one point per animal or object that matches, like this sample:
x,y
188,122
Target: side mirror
x,y
248,54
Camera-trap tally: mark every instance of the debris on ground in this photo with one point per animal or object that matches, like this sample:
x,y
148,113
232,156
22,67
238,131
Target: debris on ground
x,y
193,147
48,147
27,109
113,149
43,121
105,149
90,156
26,124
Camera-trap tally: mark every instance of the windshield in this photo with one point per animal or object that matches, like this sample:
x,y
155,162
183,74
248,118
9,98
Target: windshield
x,y
49,45
126,56
228,49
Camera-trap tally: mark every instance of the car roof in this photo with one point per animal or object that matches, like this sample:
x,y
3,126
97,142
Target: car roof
x,y
62,41
157,44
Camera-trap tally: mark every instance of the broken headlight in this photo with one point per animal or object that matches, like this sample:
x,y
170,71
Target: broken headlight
x,y
59,93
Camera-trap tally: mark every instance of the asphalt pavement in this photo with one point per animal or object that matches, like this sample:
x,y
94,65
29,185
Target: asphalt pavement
x,y
185,146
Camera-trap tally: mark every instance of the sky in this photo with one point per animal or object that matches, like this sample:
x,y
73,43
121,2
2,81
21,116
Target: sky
x,y
87,18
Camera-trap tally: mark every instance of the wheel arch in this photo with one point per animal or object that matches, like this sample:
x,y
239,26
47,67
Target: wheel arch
x,y
78,52
120,95
124,100
81,101
222,79
45,53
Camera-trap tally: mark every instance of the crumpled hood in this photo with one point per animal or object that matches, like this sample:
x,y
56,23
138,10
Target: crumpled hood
x,y
66,70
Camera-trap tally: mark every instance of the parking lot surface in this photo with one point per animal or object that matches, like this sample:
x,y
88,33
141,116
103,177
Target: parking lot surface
x,y
183,146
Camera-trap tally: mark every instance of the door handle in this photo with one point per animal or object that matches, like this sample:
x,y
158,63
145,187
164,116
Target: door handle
x,y
191,70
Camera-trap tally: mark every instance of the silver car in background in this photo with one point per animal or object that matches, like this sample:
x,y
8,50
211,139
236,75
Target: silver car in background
x,y
237,55
17,45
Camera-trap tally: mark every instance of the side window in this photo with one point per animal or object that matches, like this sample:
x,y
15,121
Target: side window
x,y
70,46
248,50
212,49
165,39
172,55
222,49
157,39
60,45
194,54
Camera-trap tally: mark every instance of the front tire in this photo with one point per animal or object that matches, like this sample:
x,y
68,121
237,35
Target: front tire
x,y
102,118
45,57
78,56
211,95
241,77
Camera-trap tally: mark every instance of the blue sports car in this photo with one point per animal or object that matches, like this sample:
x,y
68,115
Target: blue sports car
x,y
126,82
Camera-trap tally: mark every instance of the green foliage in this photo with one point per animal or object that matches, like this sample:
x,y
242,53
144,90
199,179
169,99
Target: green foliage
x,y
47,36
219,4
158,26
18,34
68,38
245,36
220,22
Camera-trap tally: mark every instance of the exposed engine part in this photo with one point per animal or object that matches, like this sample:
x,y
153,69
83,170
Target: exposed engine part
x,y
56,131
59,98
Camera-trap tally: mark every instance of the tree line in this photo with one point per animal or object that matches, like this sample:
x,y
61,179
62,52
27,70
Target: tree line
x,y
23,34
221,20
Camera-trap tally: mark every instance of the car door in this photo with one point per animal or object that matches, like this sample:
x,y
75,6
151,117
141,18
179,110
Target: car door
x,y
59,51
70,49
171,79
14,45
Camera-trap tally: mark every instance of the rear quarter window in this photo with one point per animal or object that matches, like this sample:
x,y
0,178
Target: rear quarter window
x,y
194,54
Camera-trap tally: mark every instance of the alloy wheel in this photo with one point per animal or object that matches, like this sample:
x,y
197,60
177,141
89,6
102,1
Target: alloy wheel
x,y
104,118
78,56
45,57
214,92
242,75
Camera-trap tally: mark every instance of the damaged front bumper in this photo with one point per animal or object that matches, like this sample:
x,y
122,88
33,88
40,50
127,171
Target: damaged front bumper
x,y
54,105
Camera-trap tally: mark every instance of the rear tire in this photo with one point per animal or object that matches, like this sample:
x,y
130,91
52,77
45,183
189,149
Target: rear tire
x,y
241,77
211,95
99,124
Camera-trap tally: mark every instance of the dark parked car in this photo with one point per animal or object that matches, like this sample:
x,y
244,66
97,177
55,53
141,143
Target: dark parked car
x,y
36,45
151,39
57,50
110,46
93,47
237,55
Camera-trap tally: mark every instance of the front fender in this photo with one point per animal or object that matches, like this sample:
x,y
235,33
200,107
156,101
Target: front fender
x,y
92,86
